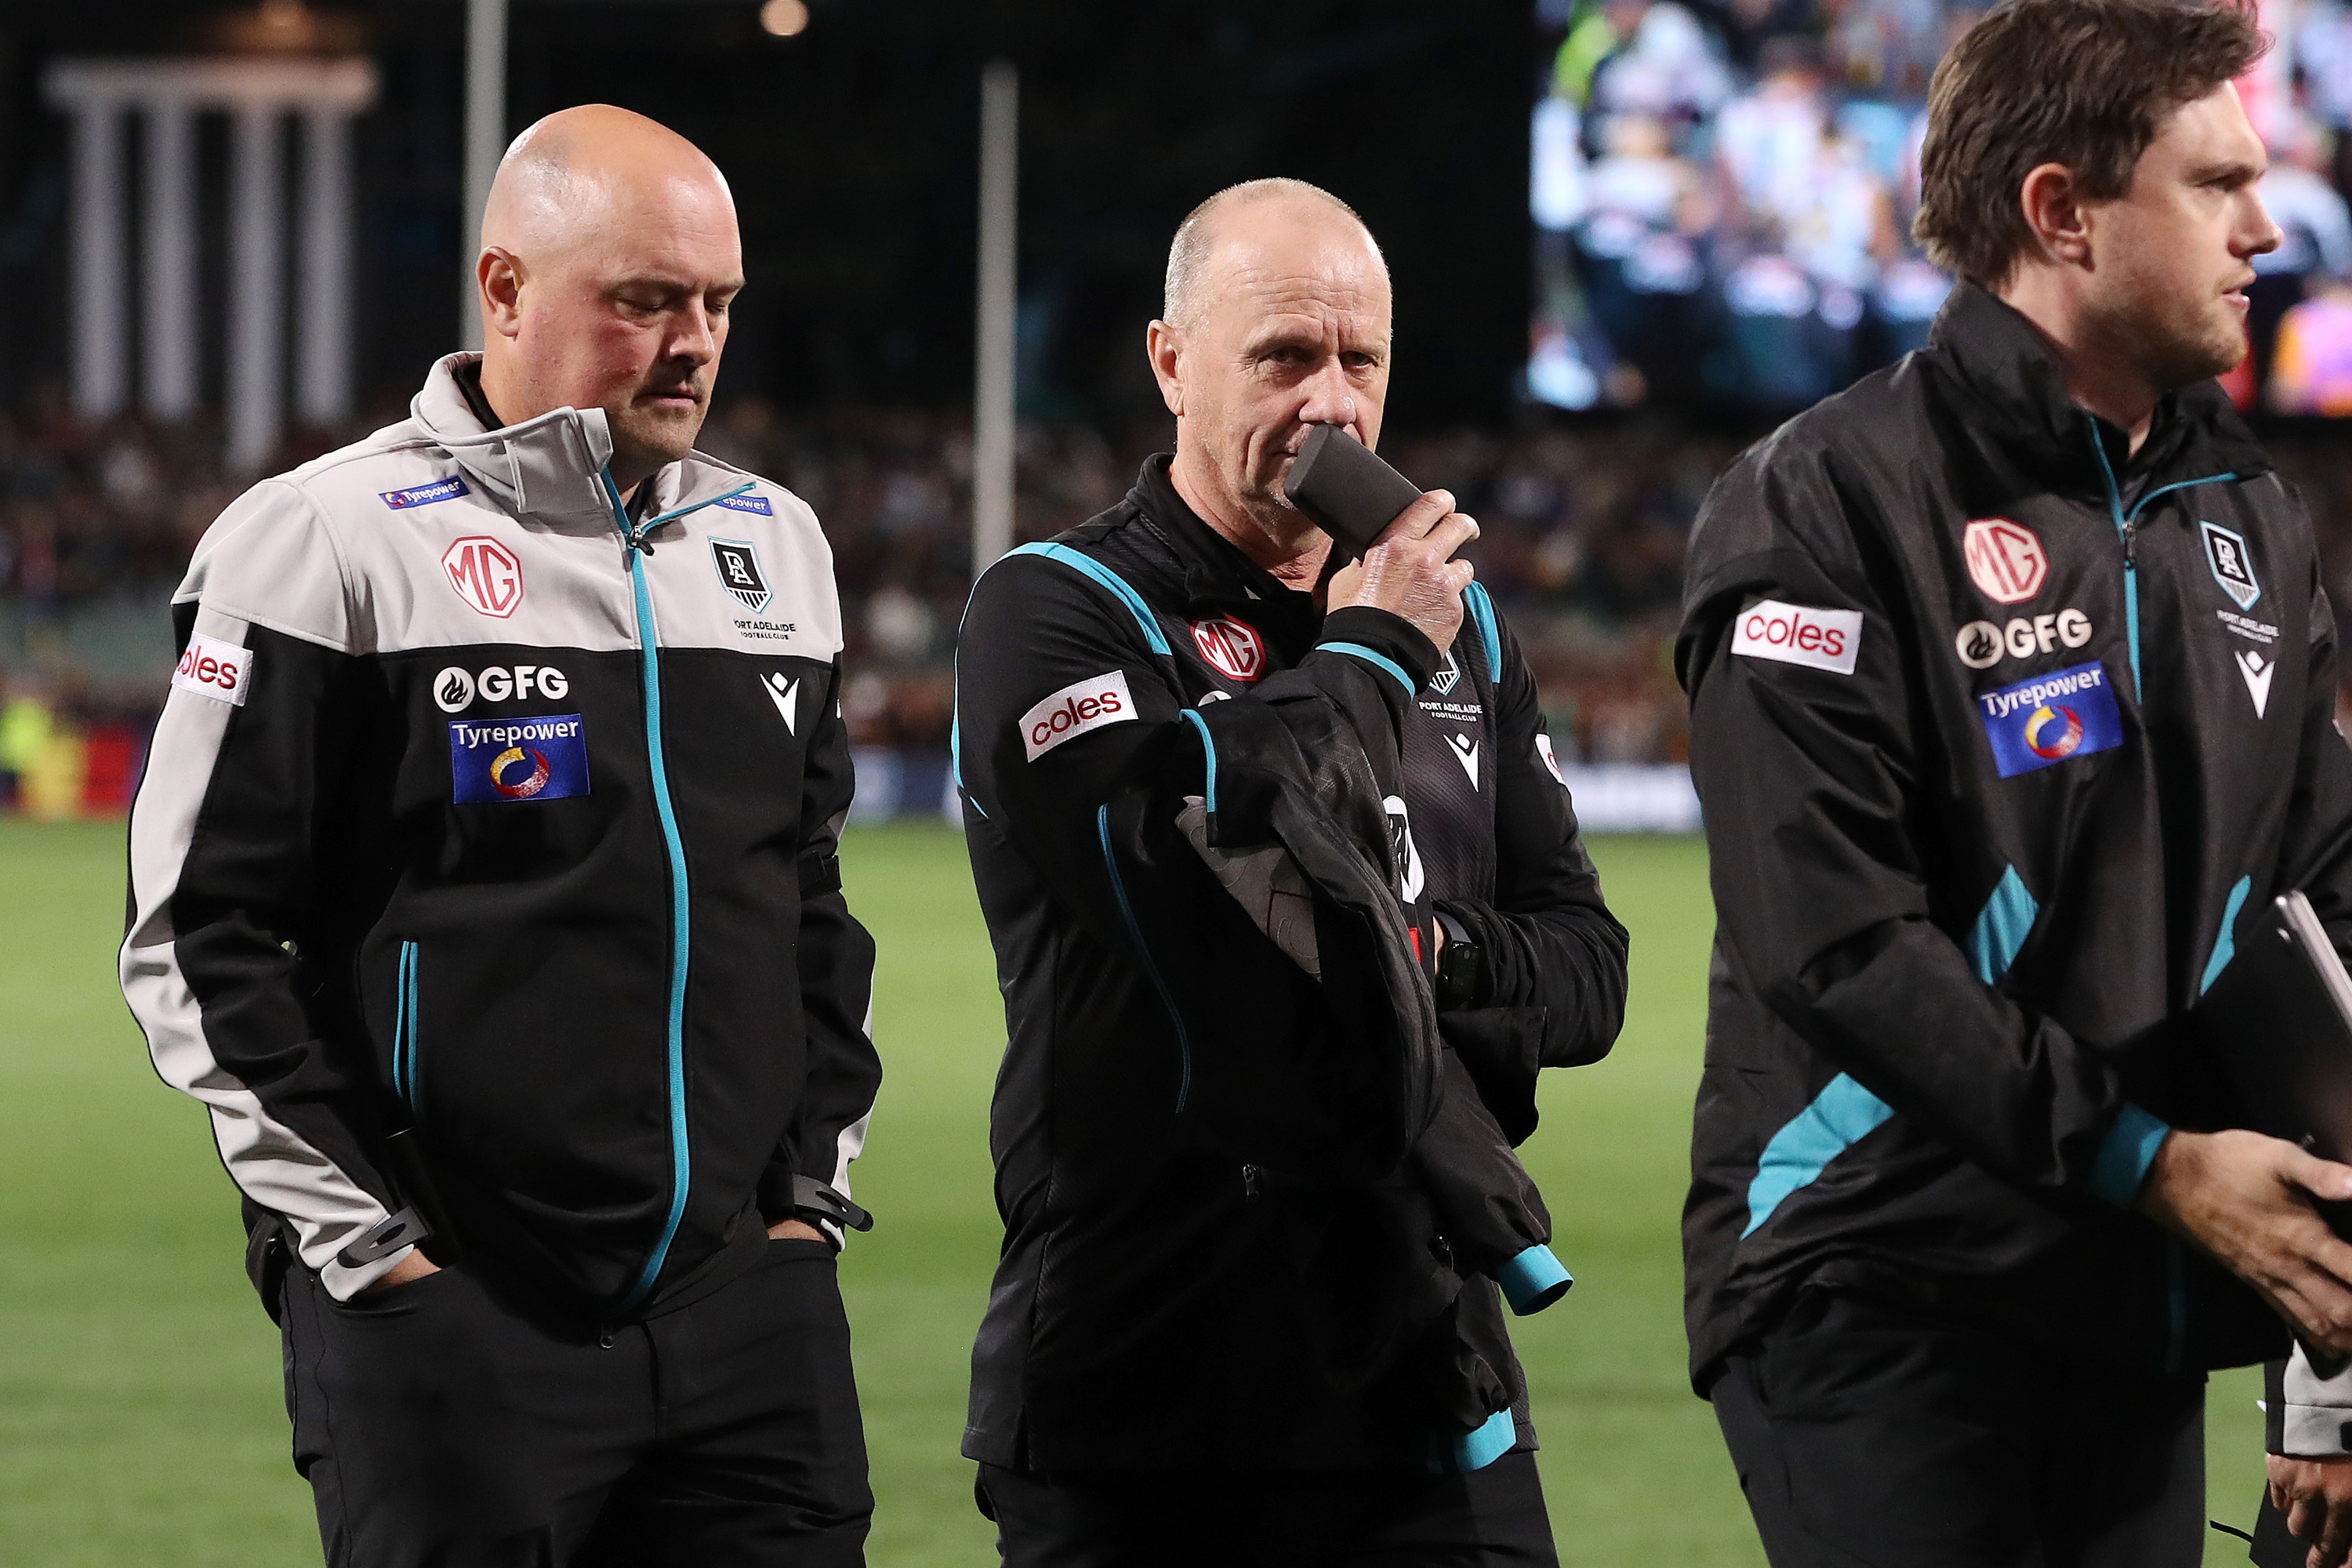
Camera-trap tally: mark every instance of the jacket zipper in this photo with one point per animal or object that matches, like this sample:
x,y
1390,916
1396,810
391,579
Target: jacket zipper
x,y
2128,530
403,1031
633,540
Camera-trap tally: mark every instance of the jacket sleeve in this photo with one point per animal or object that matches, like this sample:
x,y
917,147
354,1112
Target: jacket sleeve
x,y
1074,748
228,833
837,975
1554,953
2306,1410
1809,779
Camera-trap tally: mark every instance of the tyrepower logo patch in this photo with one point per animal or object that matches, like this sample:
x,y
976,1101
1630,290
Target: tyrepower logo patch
x,y
1081,706
449,489
518,759
213,668
2005,559
1233,646
486,575
2067,713
1795,634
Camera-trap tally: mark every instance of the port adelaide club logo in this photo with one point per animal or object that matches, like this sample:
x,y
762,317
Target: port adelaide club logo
x,y
737,564
2225,552
1233,647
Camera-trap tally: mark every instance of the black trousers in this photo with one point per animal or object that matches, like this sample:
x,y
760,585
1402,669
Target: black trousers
x,y
1868,1436
438,1427
1486,1518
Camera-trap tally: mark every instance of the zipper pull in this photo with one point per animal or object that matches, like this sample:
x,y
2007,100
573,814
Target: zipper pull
x,y
2131,545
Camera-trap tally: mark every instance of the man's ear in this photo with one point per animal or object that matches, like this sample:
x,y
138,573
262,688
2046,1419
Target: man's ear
x,y
1164,347
499,273
2051,201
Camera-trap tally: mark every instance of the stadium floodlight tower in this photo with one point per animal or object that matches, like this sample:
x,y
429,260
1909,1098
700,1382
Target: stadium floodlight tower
x,y
993,434
486,143
259,95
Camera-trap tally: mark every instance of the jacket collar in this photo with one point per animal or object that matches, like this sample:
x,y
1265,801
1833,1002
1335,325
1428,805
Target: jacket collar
x,y
2012,373
1216,572
550,469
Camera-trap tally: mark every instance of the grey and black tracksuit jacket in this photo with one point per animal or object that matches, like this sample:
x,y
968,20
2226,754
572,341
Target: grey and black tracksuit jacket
x,y
492,820
2001,732
1256,1199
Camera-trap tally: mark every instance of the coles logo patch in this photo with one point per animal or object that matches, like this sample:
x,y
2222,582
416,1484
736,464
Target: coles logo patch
x,y
498,760
2005,559
1233,646
213,668
486,575
2065,713
1796,633
1081,706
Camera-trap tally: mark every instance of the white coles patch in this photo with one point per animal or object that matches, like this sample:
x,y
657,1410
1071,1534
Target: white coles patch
x,y
1796,633
213,668
1081,706
1551,762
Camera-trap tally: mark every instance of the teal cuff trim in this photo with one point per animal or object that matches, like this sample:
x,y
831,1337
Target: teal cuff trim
x,y
2125,1154
1476,1450
1380,659
1490,636
1533,1280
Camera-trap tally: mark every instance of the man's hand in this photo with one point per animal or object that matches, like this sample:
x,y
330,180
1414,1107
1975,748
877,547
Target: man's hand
x,y
2245,1200
2315,1495
1410,570
796,1230
415,1266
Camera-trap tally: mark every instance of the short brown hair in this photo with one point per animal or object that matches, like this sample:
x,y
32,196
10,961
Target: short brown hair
x,y
2084,83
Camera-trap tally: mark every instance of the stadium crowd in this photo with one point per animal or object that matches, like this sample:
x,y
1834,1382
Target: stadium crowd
x,y
1722,193
1585,523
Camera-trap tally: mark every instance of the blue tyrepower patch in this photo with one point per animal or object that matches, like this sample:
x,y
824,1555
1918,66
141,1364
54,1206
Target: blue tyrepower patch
x,y
492,761
2067,713
449,489
747,503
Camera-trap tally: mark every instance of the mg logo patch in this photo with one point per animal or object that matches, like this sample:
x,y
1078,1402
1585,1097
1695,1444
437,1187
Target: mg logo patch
x,y
2005,559
2233,568
1233,646
486,575
738,572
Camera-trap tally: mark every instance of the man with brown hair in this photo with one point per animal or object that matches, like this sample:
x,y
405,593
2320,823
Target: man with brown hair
x,y
2011,684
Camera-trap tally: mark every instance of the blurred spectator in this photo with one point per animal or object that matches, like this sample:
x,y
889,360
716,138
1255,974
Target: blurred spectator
x,y
2313,373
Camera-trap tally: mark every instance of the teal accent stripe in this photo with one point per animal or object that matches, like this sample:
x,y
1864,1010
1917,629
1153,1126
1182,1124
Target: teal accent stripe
x,y
1476,1450
2125,1155
653,522
1533,1280
1360,651
1109,579
1208,749
404,1028
1490,637
2001,928
2123,533
1841,1116
1135,934
649,653
2141,505
2225,945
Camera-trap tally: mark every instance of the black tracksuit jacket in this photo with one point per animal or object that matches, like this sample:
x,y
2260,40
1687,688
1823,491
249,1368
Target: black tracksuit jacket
x,y
1202,1154
2000,734
492,819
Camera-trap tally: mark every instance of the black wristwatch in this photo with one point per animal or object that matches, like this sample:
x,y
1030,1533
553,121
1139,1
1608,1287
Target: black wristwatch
x,y
1461,965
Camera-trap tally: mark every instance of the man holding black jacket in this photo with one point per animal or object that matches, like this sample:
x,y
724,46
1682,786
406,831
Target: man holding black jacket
x,y
2012,686
1234,807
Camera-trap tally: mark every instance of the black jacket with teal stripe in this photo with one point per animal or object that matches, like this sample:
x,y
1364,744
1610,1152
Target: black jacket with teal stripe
x,y
1239,1193
1974,863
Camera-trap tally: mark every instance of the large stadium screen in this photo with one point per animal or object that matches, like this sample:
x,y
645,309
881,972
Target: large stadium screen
x,y
1723,196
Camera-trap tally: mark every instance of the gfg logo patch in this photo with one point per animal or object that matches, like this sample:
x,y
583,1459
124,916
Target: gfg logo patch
x,y
518,759
455,688
1081,706
2065,713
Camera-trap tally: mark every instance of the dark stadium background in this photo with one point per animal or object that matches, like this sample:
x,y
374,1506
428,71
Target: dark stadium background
x,y
139,1419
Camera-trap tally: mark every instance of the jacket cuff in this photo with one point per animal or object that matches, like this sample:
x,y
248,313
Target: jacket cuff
x,y
2126,1154
1381,639
2305,1414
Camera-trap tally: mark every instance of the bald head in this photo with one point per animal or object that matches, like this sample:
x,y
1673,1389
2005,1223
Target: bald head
x,y
609,258
1276,320
1248,210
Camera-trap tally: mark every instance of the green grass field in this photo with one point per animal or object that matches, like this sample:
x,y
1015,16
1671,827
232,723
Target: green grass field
x,y
140,1419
